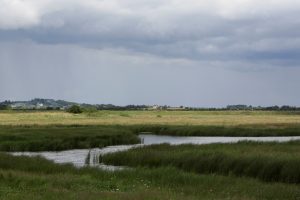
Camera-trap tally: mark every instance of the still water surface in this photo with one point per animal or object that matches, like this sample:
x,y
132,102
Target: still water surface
x,y
78,157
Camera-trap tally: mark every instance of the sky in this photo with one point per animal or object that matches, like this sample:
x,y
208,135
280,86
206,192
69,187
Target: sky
x,y
204,53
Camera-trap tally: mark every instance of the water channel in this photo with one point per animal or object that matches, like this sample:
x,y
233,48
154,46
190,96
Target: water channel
x,y
90,157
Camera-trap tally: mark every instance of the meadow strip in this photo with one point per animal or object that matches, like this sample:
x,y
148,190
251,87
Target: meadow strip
x,y
277,162
36,178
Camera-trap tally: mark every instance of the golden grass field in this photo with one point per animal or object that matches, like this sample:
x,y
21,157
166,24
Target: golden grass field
x,y
217,118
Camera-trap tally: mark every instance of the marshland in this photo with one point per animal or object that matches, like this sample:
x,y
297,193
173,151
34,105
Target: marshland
x,y
238,170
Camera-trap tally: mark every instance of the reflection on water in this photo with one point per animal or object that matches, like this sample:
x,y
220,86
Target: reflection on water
x,y
90,157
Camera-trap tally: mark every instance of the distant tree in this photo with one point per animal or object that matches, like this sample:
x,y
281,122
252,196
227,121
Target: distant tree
x,y
90,109
74,109
272,108
49,108
4,107
288,108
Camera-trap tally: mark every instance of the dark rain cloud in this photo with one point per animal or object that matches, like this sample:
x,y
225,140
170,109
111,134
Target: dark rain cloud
x,y
210,31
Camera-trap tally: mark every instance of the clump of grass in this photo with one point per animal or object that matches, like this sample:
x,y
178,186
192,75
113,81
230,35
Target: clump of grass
x,y
158,116
279,162
124,115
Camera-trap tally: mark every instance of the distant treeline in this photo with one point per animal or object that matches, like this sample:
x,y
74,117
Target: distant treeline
x,y
272,108
245,107
229,107
50,104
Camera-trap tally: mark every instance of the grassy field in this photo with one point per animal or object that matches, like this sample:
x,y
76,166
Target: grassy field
x,y
279,162
232,171
35,178
206,118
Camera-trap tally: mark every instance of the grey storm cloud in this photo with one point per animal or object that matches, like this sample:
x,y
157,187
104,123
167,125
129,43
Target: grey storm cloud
x,y
213,52
201,29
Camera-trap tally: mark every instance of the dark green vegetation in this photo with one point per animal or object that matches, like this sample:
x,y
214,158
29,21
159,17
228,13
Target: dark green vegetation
x,y
279,162
235,131
35,178
4,107
51,138
75,109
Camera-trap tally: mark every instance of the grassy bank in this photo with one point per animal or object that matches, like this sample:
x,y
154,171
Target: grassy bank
x,y
278,162
35,178
253,130
53,138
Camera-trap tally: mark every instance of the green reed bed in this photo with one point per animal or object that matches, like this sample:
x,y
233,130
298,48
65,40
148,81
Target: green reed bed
x,y
53,138
36,178
278,162
254,130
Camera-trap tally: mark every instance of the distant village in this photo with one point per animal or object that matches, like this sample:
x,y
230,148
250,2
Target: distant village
x,y
51,104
